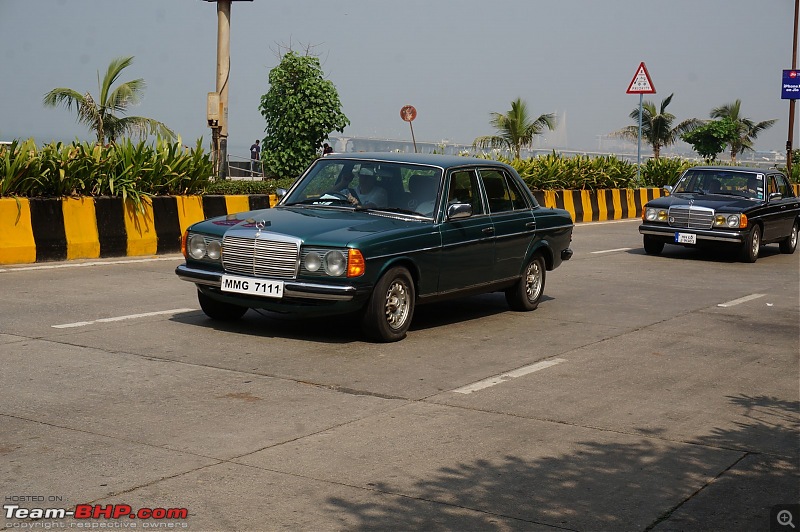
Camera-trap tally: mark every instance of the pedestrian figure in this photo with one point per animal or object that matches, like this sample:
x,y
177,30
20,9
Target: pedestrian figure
x,y
255,157
326,149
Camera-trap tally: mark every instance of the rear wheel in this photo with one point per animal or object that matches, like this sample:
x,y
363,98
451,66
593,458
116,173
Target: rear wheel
x,y
390,308
218,310
652,245
752,245
527,292
790,244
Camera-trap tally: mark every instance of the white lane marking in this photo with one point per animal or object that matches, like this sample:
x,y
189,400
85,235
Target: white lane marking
x,y
120,318
610,251
744,299
491,381
83,264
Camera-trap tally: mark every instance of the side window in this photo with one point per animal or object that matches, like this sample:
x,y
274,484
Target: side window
x,y
517,196
463,188
783,186
496,191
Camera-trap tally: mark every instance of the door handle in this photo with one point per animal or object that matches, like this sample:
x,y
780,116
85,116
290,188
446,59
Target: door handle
x,y
488,231
530,225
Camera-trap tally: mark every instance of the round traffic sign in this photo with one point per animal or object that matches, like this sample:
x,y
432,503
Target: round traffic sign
x,y
408,113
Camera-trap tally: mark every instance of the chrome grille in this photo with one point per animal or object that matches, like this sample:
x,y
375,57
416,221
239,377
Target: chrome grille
x,y
263,256
686,217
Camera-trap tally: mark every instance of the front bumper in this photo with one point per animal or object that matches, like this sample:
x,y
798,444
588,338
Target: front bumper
x,y
291,289
704,235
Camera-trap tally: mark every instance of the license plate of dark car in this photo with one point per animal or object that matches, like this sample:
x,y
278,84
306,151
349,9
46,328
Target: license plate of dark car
x,y
251,286
685,238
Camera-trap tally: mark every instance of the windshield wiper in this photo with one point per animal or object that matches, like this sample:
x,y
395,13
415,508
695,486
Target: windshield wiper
x,y
398,210
316,201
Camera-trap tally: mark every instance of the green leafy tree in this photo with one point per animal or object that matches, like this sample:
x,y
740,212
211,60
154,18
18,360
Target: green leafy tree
x,y
746,129
99,114
301,109
711,138
657,128
515,129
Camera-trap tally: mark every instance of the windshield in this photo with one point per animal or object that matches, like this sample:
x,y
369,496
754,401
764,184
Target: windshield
x,y
716,181
396,187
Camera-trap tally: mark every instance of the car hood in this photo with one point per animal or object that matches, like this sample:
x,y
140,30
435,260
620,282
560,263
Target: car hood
x,y
712,201
312,225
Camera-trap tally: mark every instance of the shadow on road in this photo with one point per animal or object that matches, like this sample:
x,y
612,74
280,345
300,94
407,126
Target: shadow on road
x,y
713,483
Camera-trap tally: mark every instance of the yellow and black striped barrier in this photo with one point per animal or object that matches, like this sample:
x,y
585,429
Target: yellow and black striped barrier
x,y
48,229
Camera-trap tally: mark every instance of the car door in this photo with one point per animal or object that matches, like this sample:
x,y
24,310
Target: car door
x,y
467,253
781,210
513,221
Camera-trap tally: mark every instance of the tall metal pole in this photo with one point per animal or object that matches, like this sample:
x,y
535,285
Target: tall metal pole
x,y
791,102
639,147
223,74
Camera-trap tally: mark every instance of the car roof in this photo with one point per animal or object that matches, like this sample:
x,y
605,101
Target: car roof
x,y
442,161
737,169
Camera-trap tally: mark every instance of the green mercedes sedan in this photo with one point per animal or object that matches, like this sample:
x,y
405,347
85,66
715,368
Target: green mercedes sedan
x,y
375,235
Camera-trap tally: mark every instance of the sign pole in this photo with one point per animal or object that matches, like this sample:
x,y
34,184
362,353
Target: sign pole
x,y
641,84
408,113
639,145
791,102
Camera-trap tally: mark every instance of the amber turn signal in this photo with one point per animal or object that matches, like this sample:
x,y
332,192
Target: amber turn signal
x,y
355,263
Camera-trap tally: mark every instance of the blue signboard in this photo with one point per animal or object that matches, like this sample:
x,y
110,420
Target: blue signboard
x,y
790,90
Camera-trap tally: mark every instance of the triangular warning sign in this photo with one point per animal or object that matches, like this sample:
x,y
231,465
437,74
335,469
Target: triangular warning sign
x,y
641,82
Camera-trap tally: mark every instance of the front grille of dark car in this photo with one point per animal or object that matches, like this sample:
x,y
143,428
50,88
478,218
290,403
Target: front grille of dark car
x,y
686,217
262,256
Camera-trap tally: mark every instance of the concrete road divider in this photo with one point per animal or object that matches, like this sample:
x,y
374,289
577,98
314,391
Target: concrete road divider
x,y
51,229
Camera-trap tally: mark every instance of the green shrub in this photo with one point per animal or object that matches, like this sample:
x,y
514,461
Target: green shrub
x,y
230,187
660,172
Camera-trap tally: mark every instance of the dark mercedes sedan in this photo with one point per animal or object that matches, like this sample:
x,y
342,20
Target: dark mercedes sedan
x,y
728,205
377,234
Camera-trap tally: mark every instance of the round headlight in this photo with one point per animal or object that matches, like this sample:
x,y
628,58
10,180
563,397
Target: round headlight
x,y
312,262
733,220
214,249
651,214
335,263
196,247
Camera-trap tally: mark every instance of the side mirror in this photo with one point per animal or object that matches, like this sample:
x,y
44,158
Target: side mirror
x,y
280,192
668,189
456,211
775,196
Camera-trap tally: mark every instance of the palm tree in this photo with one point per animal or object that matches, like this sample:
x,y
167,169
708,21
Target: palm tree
x,y
515,128
657,128
99,115
747,130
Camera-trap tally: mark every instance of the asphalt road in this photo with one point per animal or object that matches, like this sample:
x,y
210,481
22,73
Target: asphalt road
x,y
644,393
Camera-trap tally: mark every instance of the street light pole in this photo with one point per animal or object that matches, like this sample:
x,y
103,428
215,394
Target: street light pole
x,y
791,102
223,75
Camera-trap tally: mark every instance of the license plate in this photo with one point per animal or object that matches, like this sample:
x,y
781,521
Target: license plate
x,y
685,238
252,286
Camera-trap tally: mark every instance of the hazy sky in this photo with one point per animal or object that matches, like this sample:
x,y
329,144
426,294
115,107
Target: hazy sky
x,y
456,61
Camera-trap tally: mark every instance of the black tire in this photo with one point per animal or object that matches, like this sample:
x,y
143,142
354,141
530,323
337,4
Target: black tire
x,y
388,313
218,310
752,245
652,245
526,293
790,244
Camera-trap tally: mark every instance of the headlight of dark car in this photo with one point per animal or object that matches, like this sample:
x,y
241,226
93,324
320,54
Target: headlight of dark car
x,y
653,214
203,247
332,262
733,221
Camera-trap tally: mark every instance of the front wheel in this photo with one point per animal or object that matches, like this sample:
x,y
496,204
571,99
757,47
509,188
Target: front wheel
x,y
652,245
391,306
218,310
752,245
526,293
790,244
